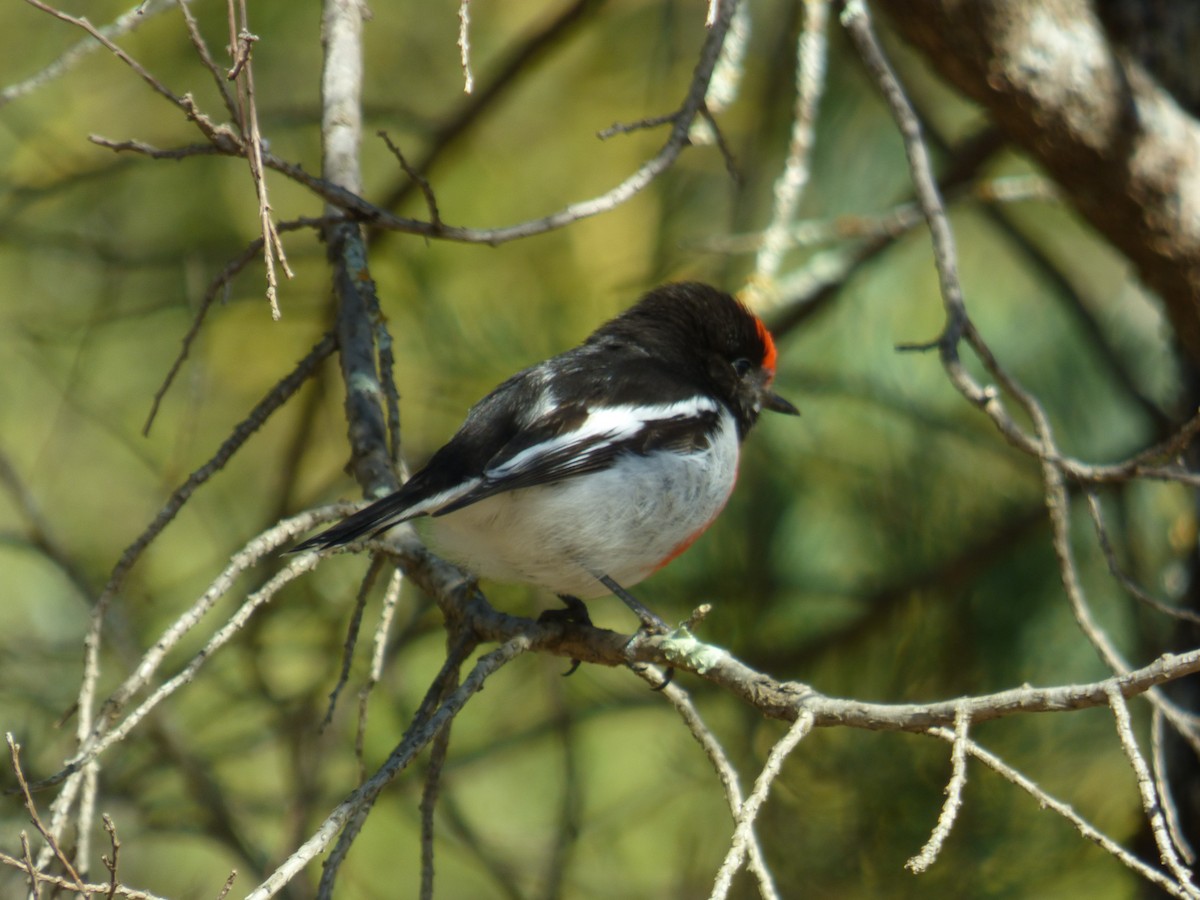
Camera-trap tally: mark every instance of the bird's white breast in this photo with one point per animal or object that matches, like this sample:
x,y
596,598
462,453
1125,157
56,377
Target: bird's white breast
x,y
623,521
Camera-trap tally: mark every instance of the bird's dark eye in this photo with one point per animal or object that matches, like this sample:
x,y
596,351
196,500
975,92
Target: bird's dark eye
x,y
742,366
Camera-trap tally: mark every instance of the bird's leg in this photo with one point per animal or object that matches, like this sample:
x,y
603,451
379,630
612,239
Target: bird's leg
x,y
576,613
651,622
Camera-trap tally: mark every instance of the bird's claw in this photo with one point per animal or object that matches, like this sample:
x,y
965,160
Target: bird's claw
x,y
575,613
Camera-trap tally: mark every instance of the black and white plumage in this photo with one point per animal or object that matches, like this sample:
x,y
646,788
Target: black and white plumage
x,y
606,460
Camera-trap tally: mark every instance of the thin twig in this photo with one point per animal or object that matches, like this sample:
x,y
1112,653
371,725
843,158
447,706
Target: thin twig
x,y
811,56
954,788
438,751
85,815
352,629
100,741
1058,504
219,135
743,832
417,178
412,743
518,60
857,22
727,76
206,57
257,417
458,650
887,224
35,887
464,44
243,72
149,150
678,140
1163,786
639,125
111,862
228,885
1124,578
728,777
1150,800
154,153
716,136
218,287
14,751
104,37
1047,801
387,612
59,883
122,24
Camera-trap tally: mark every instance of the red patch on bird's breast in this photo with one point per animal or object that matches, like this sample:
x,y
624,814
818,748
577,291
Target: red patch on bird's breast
x,y
687,543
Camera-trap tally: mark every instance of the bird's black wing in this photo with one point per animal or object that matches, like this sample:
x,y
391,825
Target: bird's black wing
x,y
572,439
455,469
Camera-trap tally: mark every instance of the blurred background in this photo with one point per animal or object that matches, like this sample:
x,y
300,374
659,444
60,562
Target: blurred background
x,y
887,546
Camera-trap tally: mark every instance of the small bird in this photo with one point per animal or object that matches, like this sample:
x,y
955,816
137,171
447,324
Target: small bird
x,y
587,472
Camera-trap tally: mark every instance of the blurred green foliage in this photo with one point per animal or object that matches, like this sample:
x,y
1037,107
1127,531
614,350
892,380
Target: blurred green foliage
x,y
888,545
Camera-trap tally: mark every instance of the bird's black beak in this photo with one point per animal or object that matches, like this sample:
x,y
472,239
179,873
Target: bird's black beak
x,y
775,403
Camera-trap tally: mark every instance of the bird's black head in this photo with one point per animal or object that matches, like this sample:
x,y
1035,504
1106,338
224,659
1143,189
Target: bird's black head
x,y
712,337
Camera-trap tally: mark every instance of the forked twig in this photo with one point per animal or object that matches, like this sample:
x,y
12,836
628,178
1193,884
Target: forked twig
x,y
743,831
1150,800
14,752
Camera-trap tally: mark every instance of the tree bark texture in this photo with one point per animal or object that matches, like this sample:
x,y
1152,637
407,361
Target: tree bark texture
x,y
1122,148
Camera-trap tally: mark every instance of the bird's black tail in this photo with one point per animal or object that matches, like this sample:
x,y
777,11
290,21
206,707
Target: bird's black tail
x,y
379,516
